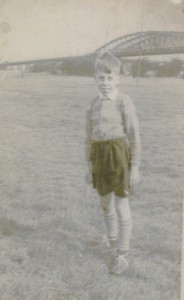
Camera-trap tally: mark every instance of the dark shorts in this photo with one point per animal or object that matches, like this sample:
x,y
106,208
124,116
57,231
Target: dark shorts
x,y
110,167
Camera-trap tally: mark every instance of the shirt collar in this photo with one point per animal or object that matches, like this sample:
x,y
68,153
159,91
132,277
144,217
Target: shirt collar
x,y
111,97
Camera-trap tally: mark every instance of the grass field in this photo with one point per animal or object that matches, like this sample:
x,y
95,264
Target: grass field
x,y
50,219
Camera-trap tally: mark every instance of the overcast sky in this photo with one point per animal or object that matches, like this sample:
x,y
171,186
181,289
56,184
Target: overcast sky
x,y
33,29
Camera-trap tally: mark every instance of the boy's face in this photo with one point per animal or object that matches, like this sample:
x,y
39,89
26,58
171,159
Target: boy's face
x,y
107,82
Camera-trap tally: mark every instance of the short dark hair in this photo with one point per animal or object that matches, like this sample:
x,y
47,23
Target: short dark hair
x,y
107,63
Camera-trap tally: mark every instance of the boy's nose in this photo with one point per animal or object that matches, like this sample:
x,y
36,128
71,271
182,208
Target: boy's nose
x,y
105,81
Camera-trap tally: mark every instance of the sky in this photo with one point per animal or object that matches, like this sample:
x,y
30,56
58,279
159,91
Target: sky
x,y
35,29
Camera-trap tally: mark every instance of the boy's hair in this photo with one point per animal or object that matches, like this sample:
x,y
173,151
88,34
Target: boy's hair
x,y
107,63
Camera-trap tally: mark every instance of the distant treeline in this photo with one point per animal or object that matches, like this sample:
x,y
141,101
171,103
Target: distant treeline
x,y
143,67
80,66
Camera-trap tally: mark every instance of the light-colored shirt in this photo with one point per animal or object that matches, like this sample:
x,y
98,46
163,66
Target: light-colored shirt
x,y
114,117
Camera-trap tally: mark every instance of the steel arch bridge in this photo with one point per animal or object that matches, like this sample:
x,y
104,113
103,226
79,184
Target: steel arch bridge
x,y
135,44
146,43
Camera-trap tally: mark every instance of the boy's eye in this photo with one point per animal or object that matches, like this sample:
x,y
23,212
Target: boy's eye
x,y
101,78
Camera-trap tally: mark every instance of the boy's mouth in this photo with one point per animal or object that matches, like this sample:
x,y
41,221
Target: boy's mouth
x,y
105,88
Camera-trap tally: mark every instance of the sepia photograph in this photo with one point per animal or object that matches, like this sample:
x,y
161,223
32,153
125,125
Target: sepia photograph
x,y
91,152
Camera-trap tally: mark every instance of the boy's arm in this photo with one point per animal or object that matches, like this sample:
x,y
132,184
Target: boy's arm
x,y
131,124
88,136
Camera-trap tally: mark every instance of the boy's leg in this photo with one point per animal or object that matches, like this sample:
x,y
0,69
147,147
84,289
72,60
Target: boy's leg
x,y
125,224
110,217
125,228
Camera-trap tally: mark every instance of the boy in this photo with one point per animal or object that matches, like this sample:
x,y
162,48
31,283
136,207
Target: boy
x,y
113,153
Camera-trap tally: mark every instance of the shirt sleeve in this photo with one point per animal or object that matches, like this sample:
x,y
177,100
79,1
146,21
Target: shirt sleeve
x,y
131,124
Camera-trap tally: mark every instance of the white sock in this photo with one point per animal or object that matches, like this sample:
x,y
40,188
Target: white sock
x,y
125,230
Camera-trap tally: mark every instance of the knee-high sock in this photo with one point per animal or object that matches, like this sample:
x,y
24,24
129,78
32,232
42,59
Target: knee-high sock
x,y
125,223
111,225
110,217
125,230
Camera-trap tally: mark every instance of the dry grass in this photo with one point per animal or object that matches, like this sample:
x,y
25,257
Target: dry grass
x,y
49,217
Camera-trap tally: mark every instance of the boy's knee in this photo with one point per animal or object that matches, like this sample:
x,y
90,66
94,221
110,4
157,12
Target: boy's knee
x,y
124,215
105,202
108,209
104,205
123,209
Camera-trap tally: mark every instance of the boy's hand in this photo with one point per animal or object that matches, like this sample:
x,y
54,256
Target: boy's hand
x,y
134,176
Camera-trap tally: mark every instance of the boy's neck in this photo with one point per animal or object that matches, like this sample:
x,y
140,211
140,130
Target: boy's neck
x,y
112,95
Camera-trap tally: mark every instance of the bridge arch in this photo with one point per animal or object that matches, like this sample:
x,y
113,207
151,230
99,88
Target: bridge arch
x,y
146,43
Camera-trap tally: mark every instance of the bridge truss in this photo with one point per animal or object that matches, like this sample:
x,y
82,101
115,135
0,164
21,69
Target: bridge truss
x,y
146,43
